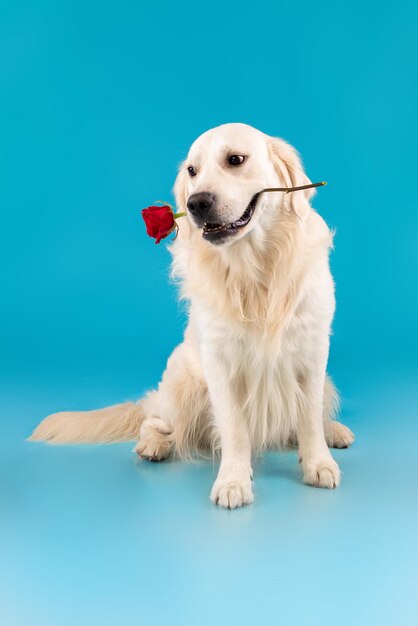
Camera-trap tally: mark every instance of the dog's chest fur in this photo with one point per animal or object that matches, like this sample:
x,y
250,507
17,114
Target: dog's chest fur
x,y
264,372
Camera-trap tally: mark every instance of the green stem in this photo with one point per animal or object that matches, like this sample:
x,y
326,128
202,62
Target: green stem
x,y
176,215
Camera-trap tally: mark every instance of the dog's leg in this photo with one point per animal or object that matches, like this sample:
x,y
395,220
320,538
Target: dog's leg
x,y
336,434
319,468
177,414
232,487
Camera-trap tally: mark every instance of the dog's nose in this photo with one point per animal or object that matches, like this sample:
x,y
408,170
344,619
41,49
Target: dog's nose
x,y
199,204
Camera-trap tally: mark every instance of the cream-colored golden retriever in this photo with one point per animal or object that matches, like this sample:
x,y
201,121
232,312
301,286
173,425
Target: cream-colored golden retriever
x,y
251,371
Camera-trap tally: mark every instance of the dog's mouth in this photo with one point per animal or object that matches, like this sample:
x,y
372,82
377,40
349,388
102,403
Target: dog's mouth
x,y
215,233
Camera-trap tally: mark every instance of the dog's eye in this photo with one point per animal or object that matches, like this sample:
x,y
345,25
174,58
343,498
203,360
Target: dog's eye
x,y
236,159
191,170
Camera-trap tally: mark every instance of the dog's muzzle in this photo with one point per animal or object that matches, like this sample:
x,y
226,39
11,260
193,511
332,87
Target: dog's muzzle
x,y
216,233
201,206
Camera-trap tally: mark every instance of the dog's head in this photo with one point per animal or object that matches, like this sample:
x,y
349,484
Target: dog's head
x,y
226,168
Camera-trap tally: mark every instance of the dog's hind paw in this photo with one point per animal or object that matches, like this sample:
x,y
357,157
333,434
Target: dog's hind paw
x,y
338,435
155,440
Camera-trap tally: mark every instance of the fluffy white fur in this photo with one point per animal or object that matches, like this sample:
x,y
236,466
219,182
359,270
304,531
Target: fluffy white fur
x,y
251,371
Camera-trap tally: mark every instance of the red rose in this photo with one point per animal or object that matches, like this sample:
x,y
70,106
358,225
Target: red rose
x,y
160,221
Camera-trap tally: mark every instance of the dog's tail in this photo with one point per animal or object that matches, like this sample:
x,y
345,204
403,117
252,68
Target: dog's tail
x,y
113,424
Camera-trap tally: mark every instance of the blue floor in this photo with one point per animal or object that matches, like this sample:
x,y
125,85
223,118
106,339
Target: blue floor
x,y
91,535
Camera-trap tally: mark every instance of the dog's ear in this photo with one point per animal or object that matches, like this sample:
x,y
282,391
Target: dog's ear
x,y
181,196
288,165
180,190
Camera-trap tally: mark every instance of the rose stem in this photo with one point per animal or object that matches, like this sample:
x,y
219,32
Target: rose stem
x,y
288,189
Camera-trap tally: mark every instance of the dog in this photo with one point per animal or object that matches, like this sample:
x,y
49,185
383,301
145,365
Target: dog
x,y
250,373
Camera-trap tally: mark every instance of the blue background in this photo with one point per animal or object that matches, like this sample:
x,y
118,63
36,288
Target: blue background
x,y
99,102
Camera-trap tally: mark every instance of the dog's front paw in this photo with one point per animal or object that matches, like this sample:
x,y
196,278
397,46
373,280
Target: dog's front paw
x,y
232,493
321,473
